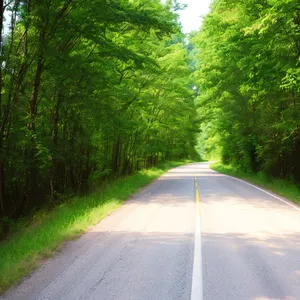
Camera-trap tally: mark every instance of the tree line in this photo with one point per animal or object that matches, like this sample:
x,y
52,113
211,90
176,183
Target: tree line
x,y
247,58
88,89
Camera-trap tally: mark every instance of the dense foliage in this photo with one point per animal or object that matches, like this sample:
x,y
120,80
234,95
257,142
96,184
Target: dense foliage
x,y
248,76
88,89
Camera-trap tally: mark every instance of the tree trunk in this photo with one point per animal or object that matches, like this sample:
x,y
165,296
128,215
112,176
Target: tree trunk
x,y
115,156
1,134
31,151
54,137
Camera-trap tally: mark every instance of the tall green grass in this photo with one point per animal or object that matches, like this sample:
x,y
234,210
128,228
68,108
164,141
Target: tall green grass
x,y
281,187
24,250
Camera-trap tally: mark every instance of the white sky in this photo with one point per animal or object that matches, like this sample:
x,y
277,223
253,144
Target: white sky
x,y
191,16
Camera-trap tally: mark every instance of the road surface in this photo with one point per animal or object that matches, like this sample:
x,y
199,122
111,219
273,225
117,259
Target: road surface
x,y
249,246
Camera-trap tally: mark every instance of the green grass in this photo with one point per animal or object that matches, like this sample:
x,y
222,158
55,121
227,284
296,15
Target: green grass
x,y
281,187
27,247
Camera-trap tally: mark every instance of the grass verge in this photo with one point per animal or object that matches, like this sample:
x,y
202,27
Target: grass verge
x,y
26,248
281,187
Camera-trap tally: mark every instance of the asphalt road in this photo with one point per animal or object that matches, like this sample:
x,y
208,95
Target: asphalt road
x,y
249,246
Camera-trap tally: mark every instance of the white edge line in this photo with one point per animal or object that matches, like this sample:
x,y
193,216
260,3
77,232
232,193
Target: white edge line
x,y
262,190
197,279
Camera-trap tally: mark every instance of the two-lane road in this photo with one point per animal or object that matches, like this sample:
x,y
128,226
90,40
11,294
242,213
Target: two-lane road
x,y
249,246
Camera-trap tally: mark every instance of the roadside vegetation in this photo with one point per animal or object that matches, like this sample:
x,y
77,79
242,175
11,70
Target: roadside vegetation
x,y
247,75
34,240
95,90
281,187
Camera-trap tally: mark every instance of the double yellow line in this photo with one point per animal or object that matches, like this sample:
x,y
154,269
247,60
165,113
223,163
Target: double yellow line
x,y
197,197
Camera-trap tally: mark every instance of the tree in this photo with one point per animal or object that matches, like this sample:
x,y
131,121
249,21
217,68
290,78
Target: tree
x,y
89,89
247,74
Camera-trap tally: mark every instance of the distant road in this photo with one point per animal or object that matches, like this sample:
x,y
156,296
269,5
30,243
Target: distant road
x,y
249,246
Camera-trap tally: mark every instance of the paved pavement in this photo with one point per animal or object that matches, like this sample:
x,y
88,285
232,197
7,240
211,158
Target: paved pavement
x,y
250,241
249,247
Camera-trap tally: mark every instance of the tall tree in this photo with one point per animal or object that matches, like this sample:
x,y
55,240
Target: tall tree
x,y
98,88
248,75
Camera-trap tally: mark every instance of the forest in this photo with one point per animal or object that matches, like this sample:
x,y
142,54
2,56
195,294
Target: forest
x,y
101,89
247,57
89,89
